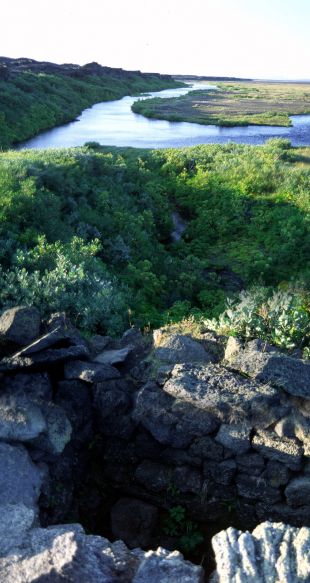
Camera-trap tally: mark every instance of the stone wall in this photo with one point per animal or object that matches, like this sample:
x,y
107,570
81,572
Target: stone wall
x,y
158,421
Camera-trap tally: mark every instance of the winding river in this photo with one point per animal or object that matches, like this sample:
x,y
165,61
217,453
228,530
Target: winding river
x,y
112,123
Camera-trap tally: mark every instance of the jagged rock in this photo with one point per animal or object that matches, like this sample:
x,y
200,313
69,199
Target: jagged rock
x,y
64,554
90,372
45,359
114,356
170,421
16,521
284,450
167,566
176,348
272,553
298,491
19,325
235,437
133,521
49,340
20,418
20,478
228,396
291,374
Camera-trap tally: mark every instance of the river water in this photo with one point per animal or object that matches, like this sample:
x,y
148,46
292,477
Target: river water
x,y
112,123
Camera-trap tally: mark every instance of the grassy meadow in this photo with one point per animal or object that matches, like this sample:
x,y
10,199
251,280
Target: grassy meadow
x,y
233,104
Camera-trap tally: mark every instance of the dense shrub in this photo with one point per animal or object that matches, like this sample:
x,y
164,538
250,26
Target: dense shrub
x,y
279,317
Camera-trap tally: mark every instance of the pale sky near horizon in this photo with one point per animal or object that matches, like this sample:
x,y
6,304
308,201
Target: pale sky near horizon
x,y
242,38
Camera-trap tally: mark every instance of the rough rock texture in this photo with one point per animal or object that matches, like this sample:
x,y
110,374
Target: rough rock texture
x,y
19,325
176,348
273,553
268,365
84,435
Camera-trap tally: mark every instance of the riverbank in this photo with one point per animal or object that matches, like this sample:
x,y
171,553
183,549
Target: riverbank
x,y
37,96
233,104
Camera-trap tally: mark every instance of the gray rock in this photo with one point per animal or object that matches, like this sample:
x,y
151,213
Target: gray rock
x,y
224,472
90,372
176,348
55,337
286,372
206,448
19,325
298,491
284,450
113,406
98,343
133,521
272,553
32,385
294,425
20,478
235,437
20,418
58,430
16,522
283,513
250,462
170,421
256,488
228,396
153,476
44,359
167,567
276,474
114,356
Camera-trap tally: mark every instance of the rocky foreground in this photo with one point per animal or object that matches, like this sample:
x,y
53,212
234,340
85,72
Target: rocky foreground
x,y
216,426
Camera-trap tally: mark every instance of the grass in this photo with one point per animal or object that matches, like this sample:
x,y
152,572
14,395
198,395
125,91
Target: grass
x,y
233,104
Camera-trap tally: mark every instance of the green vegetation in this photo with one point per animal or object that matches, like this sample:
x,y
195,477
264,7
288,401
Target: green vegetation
x,y
30,102
186,531
279,317
233,104
89,230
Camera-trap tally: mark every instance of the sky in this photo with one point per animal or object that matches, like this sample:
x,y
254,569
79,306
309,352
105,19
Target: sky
x,y
265,39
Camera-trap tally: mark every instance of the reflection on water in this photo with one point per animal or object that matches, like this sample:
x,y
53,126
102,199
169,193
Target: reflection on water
x,y
113,123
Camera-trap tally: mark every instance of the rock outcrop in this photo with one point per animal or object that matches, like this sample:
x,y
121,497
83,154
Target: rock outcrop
x,y
164,423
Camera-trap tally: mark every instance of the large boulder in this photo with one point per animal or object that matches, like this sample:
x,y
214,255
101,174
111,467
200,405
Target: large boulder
x,y
273,553
64,554
268,365
228,396
20,478
19,325
177,348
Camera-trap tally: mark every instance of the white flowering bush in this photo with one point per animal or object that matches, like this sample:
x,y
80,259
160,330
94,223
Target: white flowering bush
x,y
281,317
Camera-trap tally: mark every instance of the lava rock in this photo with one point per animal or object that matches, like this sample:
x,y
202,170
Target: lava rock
x,y
235,437
298,491
19,325
90,372
284,450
